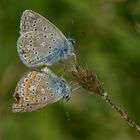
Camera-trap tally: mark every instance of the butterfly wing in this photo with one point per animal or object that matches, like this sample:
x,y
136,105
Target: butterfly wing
x,y
35,90
32,21
39,48
41,42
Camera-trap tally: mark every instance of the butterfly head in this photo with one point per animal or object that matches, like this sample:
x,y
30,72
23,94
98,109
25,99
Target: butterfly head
x,y
65,87
68,49
71,42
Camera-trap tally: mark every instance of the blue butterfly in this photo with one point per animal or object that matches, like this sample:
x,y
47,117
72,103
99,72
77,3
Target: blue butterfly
x,y
42,43
37,89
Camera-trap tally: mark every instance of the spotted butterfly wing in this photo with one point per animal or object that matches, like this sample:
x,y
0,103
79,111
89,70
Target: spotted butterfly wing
x,y
37,89
32,21
41,42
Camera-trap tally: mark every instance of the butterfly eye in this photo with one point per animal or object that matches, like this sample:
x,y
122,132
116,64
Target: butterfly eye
x,y
71,41
67,97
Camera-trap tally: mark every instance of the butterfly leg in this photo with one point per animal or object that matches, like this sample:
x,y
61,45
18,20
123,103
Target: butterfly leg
x,y
74,58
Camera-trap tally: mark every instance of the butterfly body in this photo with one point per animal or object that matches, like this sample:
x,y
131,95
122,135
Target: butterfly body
x,y
41,42
37,89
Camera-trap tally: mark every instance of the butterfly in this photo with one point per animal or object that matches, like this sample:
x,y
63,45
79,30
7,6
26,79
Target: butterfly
x,y
42,43
39,88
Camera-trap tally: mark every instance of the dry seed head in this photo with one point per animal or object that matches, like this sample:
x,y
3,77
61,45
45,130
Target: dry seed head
x,y
87,79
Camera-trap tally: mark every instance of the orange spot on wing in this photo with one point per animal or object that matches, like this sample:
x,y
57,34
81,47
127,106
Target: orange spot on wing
x,y
30,98
34,73
25,50
28,83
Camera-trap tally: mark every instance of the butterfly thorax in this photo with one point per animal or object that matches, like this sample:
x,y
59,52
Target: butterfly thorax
x,y
64,87
68,48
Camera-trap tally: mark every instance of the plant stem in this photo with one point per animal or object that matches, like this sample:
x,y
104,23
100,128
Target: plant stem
x,y
120,111
89,81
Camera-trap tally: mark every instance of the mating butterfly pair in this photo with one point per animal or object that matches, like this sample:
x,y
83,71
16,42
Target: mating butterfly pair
x,y
40,43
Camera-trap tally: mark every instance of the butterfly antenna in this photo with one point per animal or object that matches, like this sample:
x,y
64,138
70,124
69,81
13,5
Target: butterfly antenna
x,y
76,88
71,82
75,84
69,34
65,111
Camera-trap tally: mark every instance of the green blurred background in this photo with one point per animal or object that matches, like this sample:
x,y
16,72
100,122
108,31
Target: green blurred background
x,y
107,34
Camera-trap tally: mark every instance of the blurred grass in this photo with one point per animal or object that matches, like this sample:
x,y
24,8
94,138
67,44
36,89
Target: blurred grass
x,y
108,40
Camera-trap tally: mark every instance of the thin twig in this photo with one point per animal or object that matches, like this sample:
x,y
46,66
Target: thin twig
x,y
90,81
